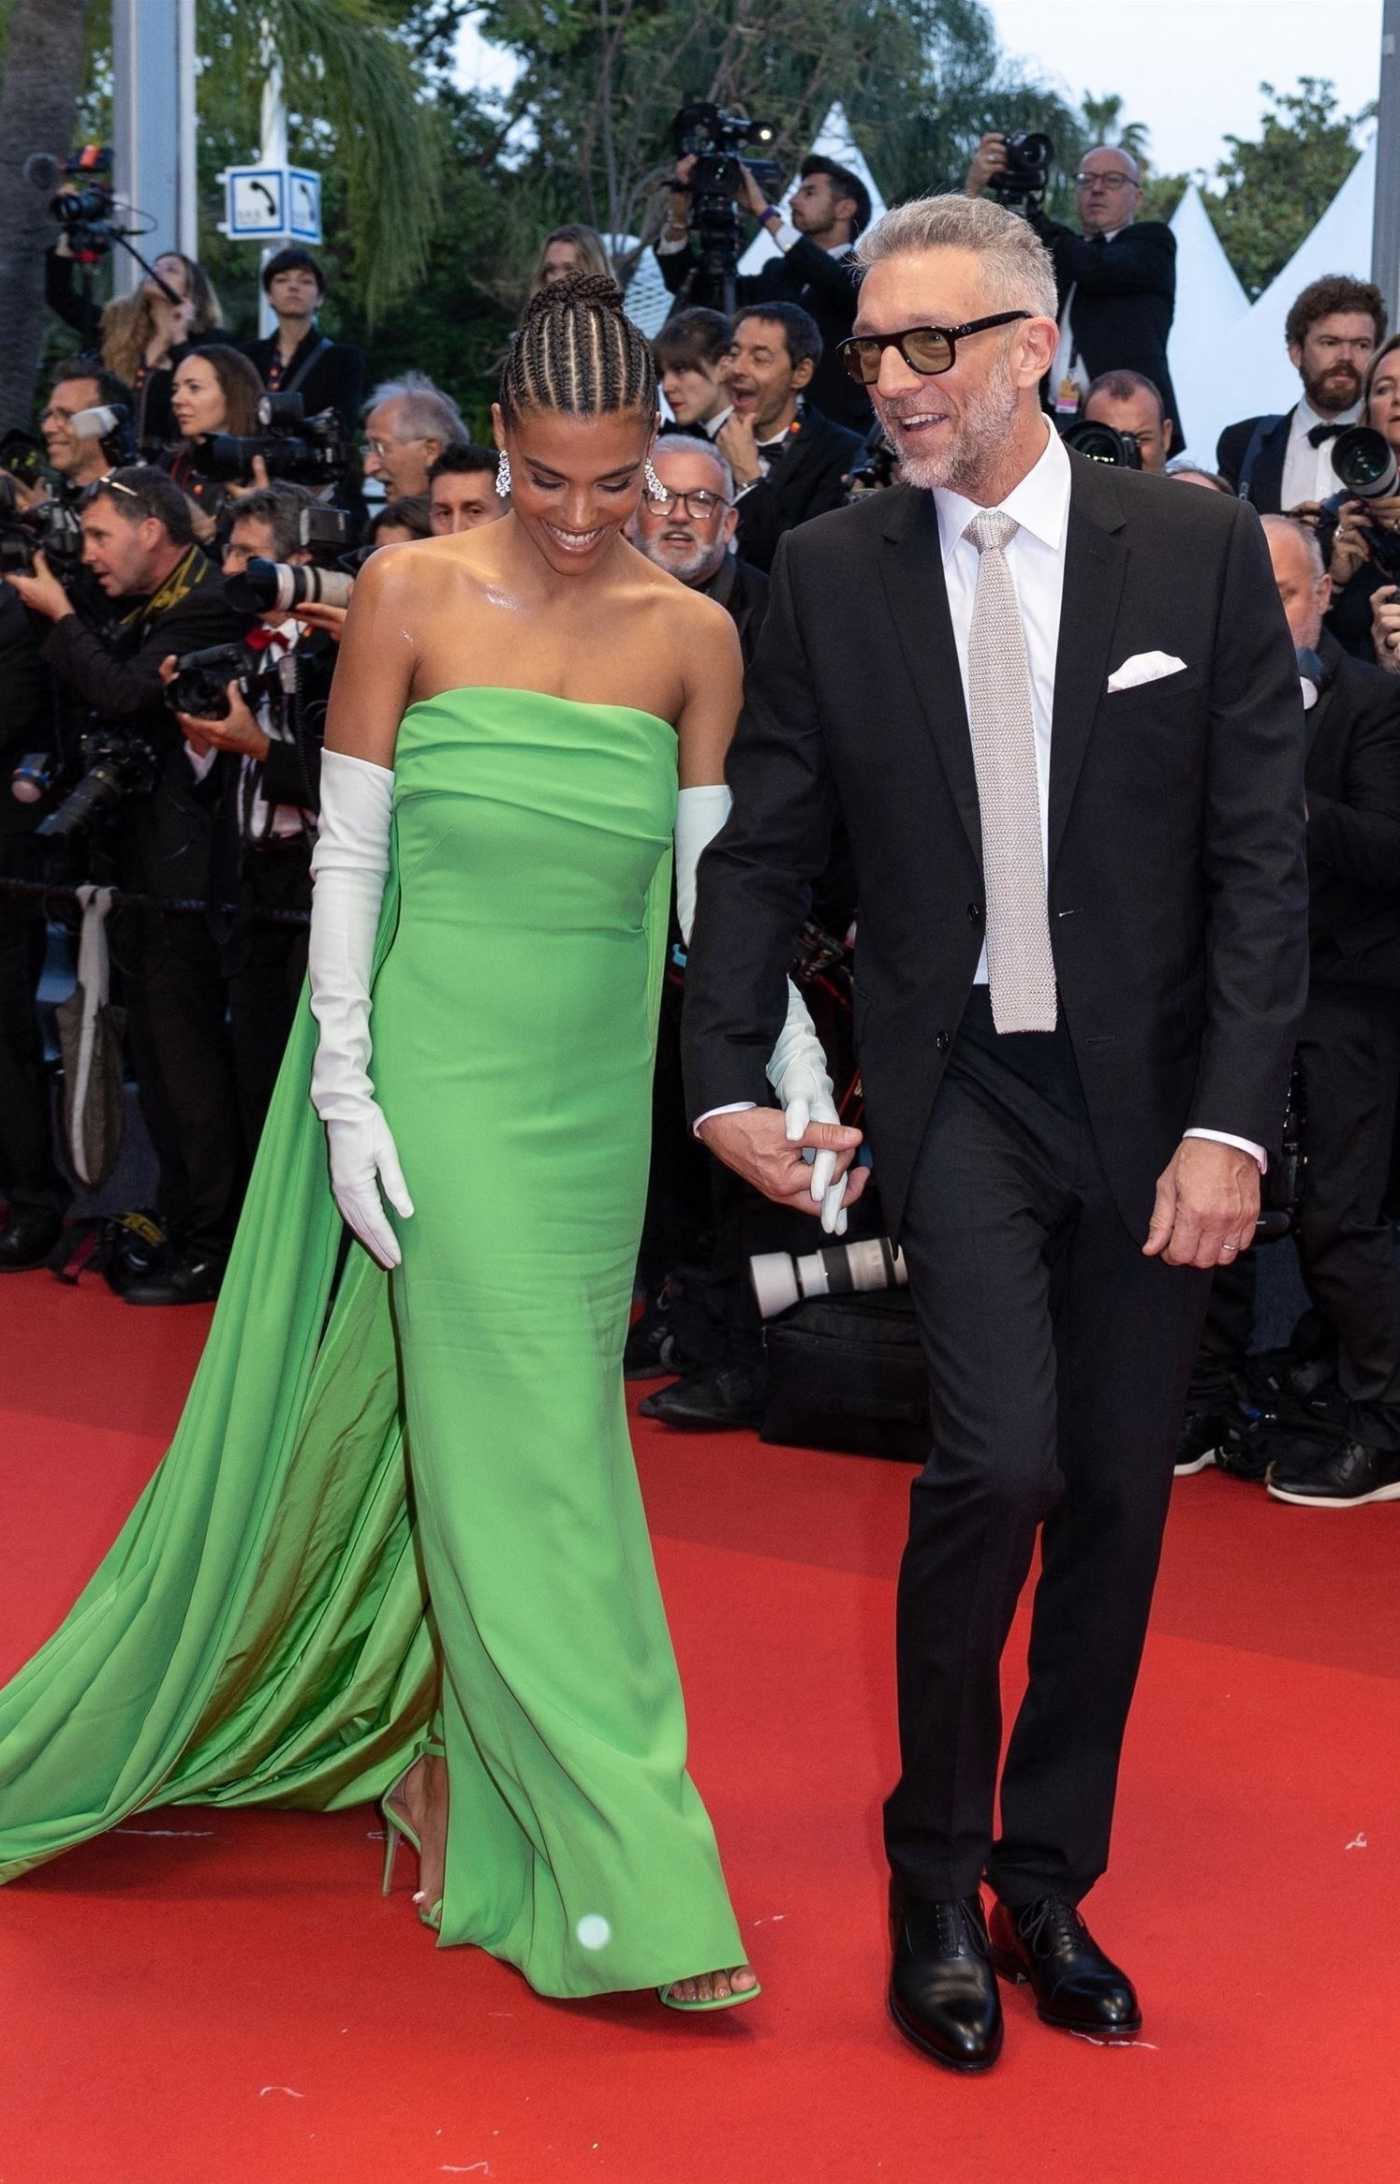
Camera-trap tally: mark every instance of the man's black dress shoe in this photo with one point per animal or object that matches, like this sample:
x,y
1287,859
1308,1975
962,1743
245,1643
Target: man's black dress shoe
x,y
1076,1986
190,1277
943,1990
28,1237
720,1397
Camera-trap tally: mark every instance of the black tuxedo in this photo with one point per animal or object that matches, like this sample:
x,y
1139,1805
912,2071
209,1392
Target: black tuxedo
x,y
1020,1170
1124,301
743,590
823,284
1264,485
804,479
1353,791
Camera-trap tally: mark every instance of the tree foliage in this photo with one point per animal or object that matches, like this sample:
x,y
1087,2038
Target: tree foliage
x,y
1274,188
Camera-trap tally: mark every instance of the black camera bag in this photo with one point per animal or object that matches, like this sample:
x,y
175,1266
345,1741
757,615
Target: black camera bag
x,y
847,1373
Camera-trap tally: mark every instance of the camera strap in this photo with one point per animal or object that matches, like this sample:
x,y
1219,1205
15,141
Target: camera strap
x,y
184,578
1264,426
290,386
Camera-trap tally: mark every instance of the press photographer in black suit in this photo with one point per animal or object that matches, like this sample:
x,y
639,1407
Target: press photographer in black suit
x,y
789,461
1056,706
830,208
1283,463
1116,281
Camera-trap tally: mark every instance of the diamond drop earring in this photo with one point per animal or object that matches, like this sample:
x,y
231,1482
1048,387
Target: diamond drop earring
x,y
503,476
653,484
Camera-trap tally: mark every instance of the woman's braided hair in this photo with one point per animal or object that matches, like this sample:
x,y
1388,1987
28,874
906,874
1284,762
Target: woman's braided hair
x,y
576,350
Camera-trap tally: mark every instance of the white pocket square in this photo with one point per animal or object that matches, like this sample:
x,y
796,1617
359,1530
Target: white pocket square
x,y
1144,667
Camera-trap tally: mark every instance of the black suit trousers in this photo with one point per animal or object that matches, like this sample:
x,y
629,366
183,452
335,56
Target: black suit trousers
x,y
1058,1360
28,1175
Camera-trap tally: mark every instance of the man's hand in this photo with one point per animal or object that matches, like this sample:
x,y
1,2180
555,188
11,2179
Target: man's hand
x,y
319,614
1207,1205
1385,627
1307,512
1351,543
42,591
751,196
260,484
755,1144
988,159
240,733
26,496
735,441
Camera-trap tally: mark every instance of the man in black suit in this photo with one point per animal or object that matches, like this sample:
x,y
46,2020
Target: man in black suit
x,y
830,208
1116,281
1018,664
789,462
689,531
1283,462
1348,1062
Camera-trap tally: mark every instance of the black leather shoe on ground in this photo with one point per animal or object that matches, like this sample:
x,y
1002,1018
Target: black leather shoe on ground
x,y
191,1277
721,1397
1346,1476
1204,1434
1076,1986
943,1990
27,1238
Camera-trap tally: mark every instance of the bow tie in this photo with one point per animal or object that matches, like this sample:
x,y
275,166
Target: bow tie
x,y
1318,433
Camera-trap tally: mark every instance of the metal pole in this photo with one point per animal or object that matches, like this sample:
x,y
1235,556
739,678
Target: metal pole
x,y
272,153
1385,237
153,125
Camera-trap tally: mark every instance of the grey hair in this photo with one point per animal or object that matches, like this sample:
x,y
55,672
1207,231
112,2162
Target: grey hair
x,y
1020,275
1290,526
428,413
692,443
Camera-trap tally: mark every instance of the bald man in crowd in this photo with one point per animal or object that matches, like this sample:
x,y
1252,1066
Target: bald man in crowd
x,y
1116,279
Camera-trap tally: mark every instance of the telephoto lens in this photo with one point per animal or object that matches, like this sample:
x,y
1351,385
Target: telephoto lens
x,y
268,587
842,1270
1365,462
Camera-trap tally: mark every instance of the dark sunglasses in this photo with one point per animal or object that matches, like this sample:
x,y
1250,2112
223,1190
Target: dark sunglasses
x,y
927,350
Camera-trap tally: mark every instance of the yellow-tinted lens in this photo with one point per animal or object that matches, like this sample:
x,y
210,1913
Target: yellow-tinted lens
x,y
927,349
862,360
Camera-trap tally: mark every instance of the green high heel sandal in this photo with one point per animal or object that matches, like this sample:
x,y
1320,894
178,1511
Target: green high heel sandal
x,y
396,1827
717,2002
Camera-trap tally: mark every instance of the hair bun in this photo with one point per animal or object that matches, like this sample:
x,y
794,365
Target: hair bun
x,y
576,288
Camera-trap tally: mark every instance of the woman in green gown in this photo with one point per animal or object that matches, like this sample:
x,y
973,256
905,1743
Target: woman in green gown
x,y
397,1546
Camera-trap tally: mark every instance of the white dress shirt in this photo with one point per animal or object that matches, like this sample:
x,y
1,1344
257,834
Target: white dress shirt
x,y
1069,375
1307,471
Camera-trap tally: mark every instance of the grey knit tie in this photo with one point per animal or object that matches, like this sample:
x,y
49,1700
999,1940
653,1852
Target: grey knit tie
x,y
1020,967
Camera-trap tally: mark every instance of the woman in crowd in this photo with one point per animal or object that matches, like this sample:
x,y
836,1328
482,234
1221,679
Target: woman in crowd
x,y
216,390
144,336
1365,548
567,252
397,1547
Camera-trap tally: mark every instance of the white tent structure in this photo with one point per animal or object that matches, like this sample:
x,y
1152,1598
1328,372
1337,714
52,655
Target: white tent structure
x,y
1209,302
1244,371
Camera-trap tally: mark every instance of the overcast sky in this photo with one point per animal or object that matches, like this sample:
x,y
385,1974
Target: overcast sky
x,y
1190,69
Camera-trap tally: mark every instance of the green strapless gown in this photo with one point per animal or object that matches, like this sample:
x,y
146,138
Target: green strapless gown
x,y
388,1492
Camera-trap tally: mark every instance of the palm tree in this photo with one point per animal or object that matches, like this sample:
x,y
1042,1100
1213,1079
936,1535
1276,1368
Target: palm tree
x,y
43,73
1103,125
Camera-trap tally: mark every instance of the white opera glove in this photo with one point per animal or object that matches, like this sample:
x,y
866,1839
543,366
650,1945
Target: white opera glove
x,y
797,1066
348,866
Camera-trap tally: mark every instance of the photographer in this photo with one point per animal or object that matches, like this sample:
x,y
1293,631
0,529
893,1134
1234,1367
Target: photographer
x,y
408,423
462,489
144,336
32,1193
1361,536
217,390
298,358
1284,462
167,598
267,751
789,461
83,383
1132,406
816,270
690,351
1116,279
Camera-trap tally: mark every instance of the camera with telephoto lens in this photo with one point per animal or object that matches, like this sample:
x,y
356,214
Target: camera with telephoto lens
x,y
201,679
115,766
715,141
307,450
267,587
1023,181
1103,444
50,528
842,1270
1364,460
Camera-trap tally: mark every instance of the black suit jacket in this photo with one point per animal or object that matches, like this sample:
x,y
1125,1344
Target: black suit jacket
x,y
823,284
1353,791
1177,885
743,591
1266,474
1124,300
805,480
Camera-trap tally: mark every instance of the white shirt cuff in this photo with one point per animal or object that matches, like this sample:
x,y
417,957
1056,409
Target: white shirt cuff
x,y
784,235
735,1107
1241,1145
668,249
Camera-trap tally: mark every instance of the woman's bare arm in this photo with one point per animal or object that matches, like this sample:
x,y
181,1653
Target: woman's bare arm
x,y
713,670
378,657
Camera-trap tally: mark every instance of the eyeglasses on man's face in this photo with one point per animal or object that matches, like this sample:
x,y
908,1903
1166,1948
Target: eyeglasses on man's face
x,y
699,505
381,448
1111,182
927,350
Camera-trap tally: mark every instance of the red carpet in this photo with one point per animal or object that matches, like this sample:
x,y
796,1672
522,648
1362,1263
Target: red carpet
x,y
213,1998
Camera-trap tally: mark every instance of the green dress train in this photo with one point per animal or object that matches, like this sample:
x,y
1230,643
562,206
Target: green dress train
x,y
390,1493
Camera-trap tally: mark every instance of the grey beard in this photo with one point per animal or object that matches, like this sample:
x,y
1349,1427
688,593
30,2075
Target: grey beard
x,y
986,421
696,567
